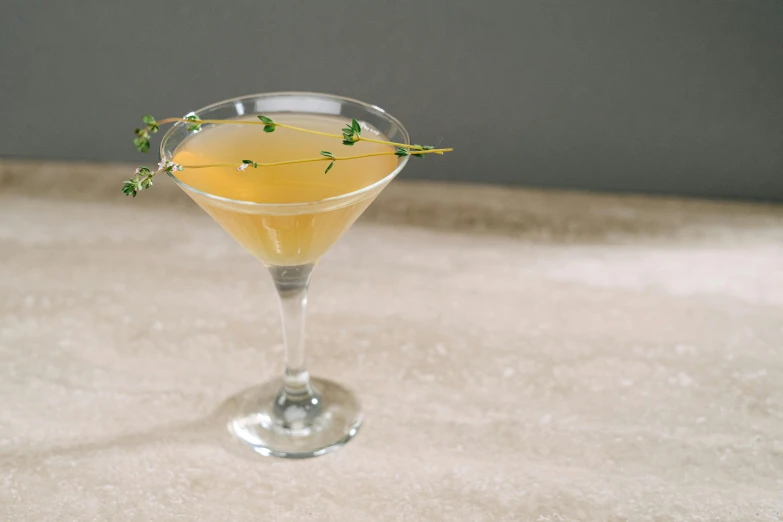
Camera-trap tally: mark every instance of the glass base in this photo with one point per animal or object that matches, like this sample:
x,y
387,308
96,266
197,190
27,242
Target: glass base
x,y
256,421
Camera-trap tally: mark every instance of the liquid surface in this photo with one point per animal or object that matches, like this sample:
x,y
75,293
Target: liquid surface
x,y
282,237
297,183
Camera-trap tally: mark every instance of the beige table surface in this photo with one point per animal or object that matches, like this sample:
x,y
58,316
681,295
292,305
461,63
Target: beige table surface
x,y
520,355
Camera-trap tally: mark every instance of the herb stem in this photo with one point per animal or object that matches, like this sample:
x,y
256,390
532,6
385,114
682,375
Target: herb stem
x,y
320,158
291,127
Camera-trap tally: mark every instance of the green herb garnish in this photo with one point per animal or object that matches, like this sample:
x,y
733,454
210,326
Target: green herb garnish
x,y
351,134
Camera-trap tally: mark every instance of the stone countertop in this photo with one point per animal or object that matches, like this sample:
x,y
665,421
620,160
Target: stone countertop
x,y
520,355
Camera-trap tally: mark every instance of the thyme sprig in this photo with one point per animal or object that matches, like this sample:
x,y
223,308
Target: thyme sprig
x,y
351,134
142,179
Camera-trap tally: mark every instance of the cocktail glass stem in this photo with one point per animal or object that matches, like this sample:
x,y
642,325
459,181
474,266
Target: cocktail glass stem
x,y
296,404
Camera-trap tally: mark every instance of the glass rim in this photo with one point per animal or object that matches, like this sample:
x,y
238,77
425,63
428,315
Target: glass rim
x,y
332,199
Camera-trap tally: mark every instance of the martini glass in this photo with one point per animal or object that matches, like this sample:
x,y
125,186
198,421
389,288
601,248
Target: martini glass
x,y
295,416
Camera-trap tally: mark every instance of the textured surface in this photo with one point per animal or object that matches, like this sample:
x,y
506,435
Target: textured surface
x,y
520,356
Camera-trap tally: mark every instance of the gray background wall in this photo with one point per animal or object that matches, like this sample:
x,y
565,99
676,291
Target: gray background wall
x,y
656,96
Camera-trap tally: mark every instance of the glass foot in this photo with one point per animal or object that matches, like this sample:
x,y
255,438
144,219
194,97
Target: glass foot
x,y
322,424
